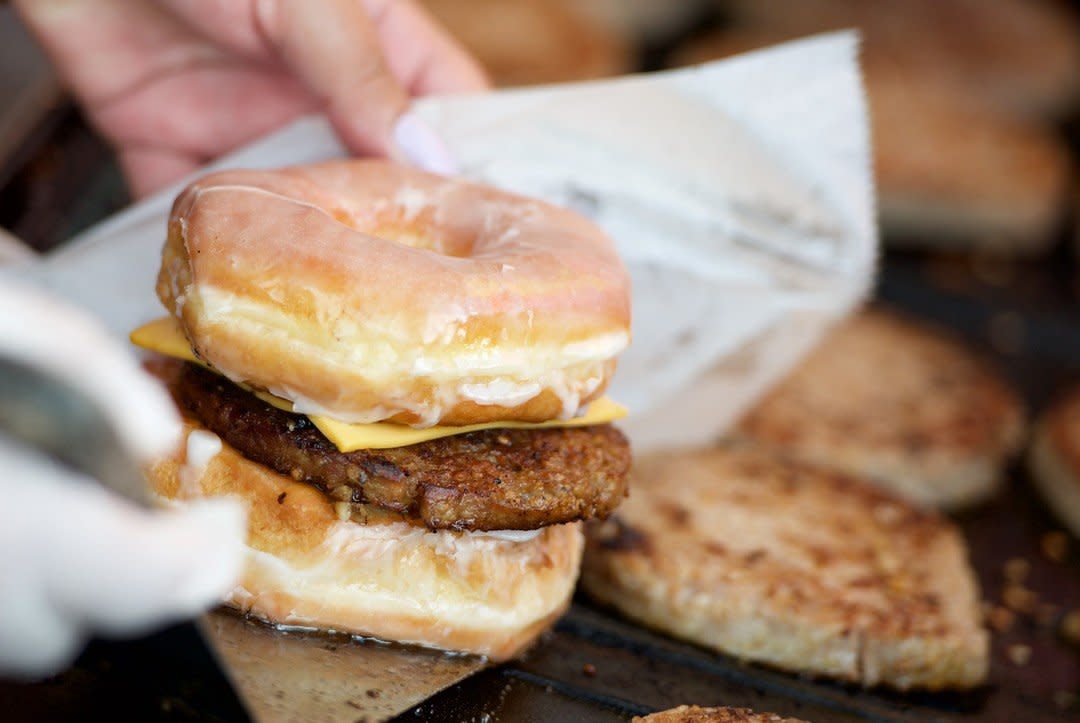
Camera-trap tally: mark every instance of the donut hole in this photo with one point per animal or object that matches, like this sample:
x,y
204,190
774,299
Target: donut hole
x,y
418,230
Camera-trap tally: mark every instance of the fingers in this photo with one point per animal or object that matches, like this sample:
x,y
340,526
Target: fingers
x,y
422,56
104,48
361,59
223,106
155,75
126,570
421,53
87,559
333,48
90,562
163,94
150,169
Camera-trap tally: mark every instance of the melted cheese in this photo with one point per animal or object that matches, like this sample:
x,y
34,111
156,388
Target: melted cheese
x,y
164,336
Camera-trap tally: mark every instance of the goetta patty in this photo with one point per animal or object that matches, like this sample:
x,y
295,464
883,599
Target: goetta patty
x,y
496,479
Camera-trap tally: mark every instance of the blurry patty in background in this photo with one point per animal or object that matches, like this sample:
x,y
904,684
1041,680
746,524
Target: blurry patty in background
x,y
964,100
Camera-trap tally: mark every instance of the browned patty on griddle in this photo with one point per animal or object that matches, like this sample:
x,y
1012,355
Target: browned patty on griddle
x,y
496,479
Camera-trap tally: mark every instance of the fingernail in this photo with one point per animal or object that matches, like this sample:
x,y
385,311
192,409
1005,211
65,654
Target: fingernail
x,y
422,145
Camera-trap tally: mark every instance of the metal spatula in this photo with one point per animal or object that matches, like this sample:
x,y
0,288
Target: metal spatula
x,y
50,415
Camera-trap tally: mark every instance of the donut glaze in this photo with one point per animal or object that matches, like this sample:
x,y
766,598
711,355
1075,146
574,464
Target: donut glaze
x,y
368,291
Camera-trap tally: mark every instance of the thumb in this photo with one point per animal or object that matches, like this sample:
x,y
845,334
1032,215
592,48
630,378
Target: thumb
x,y
333,47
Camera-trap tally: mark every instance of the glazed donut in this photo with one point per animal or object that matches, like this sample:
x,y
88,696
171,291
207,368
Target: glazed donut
x,y
366,291
480,593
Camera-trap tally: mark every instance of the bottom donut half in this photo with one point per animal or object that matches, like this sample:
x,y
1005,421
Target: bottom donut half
x,y
476,592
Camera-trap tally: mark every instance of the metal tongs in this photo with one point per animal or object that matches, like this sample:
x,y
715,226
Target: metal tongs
x,y
52,416
278,677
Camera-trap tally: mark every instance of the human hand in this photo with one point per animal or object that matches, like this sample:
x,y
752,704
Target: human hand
x,y
78,559
173,84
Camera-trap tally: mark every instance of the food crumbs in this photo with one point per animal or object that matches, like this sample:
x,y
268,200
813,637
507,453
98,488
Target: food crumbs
x,y
1055,545
589,670
1019,654
281,497
373,693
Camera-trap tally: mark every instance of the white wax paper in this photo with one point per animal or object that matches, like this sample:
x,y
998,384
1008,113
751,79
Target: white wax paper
x,y
739,193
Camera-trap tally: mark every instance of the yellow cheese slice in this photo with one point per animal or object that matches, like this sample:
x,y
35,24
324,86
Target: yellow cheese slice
x,y
349,437
165,337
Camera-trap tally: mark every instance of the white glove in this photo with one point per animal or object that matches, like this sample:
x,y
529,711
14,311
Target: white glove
x,y
78,559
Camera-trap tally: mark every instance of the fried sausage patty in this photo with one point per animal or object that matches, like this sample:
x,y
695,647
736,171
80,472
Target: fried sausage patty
x,y
496,479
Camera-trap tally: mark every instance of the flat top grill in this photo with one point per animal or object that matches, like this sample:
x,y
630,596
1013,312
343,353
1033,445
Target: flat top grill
x,y
594,665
